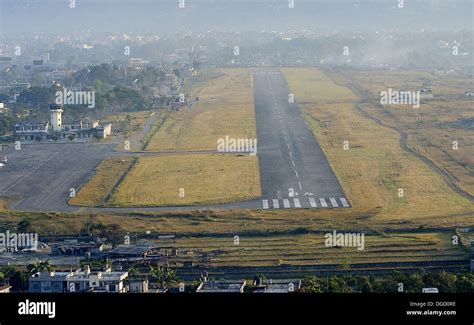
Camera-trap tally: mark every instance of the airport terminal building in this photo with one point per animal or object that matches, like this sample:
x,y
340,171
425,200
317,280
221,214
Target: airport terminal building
x,y
55,130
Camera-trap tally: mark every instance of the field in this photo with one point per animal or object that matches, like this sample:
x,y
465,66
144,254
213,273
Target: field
x,y
432,127
310,249
225,107
188,179
96,191
374,167
128,124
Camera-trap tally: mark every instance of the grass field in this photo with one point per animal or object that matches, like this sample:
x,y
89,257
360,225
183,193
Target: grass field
x,y
96,191
203,179
225,107
432,127
128,123
375,166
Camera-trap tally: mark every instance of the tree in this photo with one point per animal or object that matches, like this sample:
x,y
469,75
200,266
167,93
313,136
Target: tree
x,y
165,276
133,270
24,226
113,233
312,284
40,266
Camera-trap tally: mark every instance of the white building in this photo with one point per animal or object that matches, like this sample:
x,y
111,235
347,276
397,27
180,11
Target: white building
x,y
55,129
83,280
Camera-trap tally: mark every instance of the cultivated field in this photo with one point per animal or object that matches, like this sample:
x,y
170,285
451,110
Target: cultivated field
x,y
225,107
310,249
188,179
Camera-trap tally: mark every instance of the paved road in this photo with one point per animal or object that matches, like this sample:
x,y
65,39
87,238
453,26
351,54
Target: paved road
x,y
294,171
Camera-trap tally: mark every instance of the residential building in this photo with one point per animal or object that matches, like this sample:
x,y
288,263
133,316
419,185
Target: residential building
x,y
81,280
235,286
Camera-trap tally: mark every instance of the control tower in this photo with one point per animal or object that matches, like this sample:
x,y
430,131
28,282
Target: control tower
x,y
56,112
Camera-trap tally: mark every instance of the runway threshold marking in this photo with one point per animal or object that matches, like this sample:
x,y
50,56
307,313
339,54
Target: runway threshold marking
x,y
312,202
297,203
286,203
276,204
323,202
265,204
333,202
344,202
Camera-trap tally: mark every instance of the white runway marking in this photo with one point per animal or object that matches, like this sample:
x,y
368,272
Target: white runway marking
x,y
333,202
29,174
276,204
265,204
323,202
286,203
312,202
297,203
344,202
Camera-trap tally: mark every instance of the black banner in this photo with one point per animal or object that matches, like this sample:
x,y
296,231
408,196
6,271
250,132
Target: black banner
x,y
431,308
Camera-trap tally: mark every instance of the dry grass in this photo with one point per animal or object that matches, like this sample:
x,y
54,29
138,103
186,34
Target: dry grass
x,y
434,125
375,166
205,179
225,107
95,192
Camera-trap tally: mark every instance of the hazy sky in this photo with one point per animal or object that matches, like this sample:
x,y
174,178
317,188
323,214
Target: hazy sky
x,y
200,15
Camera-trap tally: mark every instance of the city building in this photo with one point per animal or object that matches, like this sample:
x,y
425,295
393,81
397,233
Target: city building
x,y
426,92
55,129
278,286
236,286
76,249
81,280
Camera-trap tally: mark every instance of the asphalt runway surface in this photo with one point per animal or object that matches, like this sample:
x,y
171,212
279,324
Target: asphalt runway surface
x,y
43,174
294,171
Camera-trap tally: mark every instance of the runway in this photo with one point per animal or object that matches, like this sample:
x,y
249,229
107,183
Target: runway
x,y
294,171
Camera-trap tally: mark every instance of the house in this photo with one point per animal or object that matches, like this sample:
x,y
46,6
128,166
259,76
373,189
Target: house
x,y
81,280
128,251
278,286
97,281
235,286
426,92
77,249
48,282
136,285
